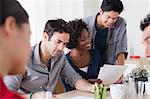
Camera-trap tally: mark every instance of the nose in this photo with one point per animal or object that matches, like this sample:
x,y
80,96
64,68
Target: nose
x,y
88,40
147,51
111,21
61,47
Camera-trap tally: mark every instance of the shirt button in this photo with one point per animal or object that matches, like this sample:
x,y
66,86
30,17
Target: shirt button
x,y
40,86
45,68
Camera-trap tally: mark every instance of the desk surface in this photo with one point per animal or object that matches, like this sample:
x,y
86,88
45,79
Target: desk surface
x,y
71,94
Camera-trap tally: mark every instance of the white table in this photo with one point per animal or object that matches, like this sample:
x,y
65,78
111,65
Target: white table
x,y
70,94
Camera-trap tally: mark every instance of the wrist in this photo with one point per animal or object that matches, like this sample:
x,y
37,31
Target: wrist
x,y
92,88
30,95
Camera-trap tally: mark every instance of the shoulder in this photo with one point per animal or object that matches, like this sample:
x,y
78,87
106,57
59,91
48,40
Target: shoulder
x,y
121,21
90,19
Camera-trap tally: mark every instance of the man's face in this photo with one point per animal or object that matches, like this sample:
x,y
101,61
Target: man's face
x,y
108,18
57,42
20,48
146,40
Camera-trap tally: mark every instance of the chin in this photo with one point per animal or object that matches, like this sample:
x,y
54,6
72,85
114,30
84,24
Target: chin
x,y
16,72
18,69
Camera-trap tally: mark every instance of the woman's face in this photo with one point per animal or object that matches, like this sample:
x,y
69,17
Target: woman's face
x,y
84,41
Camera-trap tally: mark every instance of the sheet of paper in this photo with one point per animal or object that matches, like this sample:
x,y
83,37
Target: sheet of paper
x,y
129,69
109,74
82,97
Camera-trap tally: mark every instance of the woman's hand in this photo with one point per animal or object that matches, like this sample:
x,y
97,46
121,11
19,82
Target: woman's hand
x,y
95,80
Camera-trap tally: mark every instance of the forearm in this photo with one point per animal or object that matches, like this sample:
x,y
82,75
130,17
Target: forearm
x,y
36,95
121,59
84,85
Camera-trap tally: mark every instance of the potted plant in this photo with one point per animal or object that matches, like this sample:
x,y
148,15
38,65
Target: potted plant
x,y
139,74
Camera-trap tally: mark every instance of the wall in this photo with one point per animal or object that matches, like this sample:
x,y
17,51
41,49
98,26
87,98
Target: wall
x,y
42,10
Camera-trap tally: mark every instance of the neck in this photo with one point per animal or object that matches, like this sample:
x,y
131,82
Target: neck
x,y
78,53
2,71
99,22
44,56
3,66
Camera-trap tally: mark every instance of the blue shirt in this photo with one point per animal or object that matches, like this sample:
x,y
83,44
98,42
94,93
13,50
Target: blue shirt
x,y
93,68
100,42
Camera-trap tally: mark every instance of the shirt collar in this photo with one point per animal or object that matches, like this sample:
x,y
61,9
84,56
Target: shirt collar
x,y
36,55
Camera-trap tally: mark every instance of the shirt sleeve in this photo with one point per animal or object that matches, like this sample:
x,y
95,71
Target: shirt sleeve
x,y
121,46
13,82
69,74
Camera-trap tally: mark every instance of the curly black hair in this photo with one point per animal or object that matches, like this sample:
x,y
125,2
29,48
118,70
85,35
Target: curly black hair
x,y
75,29
145,22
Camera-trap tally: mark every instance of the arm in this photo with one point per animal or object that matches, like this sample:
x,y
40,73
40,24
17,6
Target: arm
x,y
13,82
121,59
74,79
121,47
84,85
39,95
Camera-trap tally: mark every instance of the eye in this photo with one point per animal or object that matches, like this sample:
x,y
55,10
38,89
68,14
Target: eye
x,y
58,42
107,17
115,18
82,40
65,44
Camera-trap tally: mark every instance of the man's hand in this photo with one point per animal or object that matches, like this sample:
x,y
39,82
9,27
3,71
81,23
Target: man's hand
x,y
95,80
39,95
43,95
121,59
119,81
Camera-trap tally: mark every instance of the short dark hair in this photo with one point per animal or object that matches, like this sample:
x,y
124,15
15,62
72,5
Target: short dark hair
x,y
112,5
75,28
14,9
145,22
56,25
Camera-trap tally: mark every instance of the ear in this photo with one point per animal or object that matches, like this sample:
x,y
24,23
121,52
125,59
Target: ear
x,y
10,26
101,12
45,36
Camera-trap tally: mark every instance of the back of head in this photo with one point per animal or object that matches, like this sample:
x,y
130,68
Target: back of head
x,y
145,22
14,9
57,25
112,5
75,29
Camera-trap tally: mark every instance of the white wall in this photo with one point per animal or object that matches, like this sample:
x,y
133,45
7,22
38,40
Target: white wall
x,y
42,10
134,11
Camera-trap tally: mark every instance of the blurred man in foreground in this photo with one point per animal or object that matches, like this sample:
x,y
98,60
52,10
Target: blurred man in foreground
x,y
145,27
14,43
